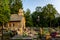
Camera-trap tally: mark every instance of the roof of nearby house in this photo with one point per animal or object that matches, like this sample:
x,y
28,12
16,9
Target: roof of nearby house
x,y
15,17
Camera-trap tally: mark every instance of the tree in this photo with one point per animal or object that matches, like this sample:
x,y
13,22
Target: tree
x,y
49,12
28,18
38,9
46,15
36,16
4,13
15,5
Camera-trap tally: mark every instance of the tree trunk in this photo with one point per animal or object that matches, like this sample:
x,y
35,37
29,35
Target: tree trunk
x,y
50,23
50,27
58,26
2,30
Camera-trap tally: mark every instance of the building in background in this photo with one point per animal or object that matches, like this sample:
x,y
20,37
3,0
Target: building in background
x,y
17,22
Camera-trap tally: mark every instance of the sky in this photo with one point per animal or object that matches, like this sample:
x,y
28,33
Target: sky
x,y
32,4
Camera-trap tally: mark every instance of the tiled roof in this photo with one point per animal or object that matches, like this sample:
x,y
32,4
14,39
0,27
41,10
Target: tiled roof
x,y
15,17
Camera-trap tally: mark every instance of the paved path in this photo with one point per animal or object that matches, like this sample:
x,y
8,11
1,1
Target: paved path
x,y
20,37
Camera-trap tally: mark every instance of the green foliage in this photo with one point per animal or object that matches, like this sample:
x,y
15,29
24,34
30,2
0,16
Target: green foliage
x,y
15,5
46,15
28,18
38,18
49,11
56,22
4,11
35,18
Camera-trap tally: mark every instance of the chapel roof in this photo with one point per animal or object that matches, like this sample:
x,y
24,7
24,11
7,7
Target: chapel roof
x,y
15,17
